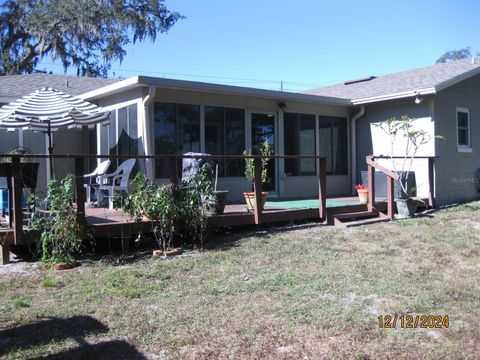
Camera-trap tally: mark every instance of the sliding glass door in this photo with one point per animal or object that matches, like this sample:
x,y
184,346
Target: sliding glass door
x,y
264,129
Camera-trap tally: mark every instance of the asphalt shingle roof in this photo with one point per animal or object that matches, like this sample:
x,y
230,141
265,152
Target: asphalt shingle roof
x,y
13,87
410,80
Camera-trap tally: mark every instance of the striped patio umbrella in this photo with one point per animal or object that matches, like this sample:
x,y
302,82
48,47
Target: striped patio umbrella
x,y
48,110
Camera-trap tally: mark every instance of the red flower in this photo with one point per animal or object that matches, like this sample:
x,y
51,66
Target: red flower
x,y
360,187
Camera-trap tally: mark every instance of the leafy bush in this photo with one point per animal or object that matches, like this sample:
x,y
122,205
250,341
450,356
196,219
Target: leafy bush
x,y
173,211
198,198
266,153
62,236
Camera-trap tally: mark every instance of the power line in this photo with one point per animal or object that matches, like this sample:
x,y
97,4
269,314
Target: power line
x,y
281,84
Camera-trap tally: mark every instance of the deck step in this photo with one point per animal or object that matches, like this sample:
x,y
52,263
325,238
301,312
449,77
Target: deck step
x,y
356,215
351,219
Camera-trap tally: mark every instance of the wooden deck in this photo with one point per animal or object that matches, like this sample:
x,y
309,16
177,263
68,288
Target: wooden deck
x,y
104,222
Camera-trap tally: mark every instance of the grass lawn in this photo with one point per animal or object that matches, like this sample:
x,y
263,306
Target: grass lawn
x,y
301,292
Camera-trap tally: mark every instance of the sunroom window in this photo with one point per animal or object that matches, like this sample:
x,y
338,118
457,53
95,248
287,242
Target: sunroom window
x,y
332,138
225,135
177,131
299,139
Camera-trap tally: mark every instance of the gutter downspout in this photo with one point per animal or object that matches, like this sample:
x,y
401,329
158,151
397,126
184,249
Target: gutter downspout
x,y
354,144
146,130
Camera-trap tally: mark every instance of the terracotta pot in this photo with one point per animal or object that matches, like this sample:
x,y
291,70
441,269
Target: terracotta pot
x,y
363,196
64,266
171,252
250,200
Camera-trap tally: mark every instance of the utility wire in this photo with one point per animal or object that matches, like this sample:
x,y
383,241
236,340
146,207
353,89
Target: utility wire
x,y
232,80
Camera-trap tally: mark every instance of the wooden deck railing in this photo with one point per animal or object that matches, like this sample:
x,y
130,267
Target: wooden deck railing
x,y
79,170
393,176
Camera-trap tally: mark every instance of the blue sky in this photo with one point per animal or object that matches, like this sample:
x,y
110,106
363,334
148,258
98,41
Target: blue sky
x,y
304,43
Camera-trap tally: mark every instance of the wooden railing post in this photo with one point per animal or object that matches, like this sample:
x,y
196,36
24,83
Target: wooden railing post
x,y
17,189
257,188
174,170
390,189
371,186
80,191
431,182
322,188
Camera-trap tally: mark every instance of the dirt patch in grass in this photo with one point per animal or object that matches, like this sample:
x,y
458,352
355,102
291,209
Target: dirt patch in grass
x,y
298,292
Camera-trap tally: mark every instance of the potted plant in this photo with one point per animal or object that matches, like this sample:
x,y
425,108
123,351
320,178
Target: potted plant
x,y
407,204
362,193
266,155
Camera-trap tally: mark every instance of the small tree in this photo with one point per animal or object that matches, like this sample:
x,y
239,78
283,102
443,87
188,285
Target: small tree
x,y
266,155
173,210
158,204
196,195
62,236
403,127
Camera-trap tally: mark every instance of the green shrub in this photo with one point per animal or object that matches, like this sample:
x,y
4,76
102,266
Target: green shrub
x,y
62,236
173,211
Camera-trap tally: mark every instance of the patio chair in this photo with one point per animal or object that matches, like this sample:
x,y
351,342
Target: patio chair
x,y
116,181
94,178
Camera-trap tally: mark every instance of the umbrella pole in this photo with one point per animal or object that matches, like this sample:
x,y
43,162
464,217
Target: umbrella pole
x,y
50,149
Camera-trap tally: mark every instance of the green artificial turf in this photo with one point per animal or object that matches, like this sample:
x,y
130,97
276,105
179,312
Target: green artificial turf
x,y
308,203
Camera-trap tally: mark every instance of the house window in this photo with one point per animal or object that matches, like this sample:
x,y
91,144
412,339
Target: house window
x,y
463,128
225,135
120,137
333,142
177,131
299,139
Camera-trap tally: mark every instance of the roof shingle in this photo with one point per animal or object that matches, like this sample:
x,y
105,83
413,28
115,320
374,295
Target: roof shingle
x,y
405,81
13,87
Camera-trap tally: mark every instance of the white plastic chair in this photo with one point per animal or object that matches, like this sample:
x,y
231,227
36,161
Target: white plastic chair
x,y
95,175
116,181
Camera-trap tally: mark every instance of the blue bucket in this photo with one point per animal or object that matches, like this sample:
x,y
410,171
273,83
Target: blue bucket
x,y
4,200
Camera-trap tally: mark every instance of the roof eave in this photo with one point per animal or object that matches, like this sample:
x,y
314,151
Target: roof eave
x,y
399,95
209,87
111,89
457,79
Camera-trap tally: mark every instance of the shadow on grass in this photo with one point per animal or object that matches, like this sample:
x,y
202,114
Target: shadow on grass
x,y
116,349
44,332
228,238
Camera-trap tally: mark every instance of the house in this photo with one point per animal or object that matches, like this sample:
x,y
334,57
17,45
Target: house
x,y
157,116
445,98
66,141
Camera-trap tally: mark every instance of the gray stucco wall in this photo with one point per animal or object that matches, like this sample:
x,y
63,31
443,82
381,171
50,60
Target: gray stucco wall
x,y
455,180
381,111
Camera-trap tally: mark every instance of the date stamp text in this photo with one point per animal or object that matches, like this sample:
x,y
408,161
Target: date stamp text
x,y
413,321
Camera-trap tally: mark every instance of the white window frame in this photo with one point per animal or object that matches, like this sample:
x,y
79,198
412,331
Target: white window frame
x,y
463,147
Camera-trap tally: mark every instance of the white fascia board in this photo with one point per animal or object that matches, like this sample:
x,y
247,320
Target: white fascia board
x,y
239,90
111,89
137,81
457,79
400,95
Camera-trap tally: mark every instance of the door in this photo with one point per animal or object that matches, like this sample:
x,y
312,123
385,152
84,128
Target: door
x,y
264,128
